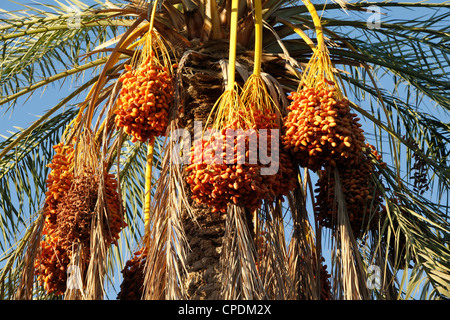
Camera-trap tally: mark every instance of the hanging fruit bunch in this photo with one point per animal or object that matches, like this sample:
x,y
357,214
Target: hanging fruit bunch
x,y
238,179
419,177
363,201
285,180
287,177
261,244
58,182
320,129
51,266
230,180
325,284
77,207
131,287
266,118
69,207
147,93
243,179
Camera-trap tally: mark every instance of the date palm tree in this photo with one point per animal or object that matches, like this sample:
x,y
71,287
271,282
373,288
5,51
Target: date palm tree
x,y
393,71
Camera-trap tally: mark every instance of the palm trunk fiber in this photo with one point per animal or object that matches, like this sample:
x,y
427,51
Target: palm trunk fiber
x,y
202,86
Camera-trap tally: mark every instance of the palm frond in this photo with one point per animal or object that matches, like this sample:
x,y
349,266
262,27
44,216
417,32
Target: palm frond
x,y
165,242
273,259
241,278
38,44
304,248
349,274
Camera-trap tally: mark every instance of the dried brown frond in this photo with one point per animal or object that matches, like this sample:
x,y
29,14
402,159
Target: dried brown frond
x,y
25,288
241,280
303,265
272,257
165,243
349,274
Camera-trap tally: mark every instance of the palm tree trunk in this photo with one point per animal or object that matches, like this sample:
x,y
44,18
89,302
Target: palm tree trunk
x,y
202,86
205,237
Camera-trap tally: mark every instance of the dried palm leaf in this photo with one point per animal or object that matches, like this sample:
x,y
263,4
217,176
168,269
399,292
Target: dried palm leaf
x,y
272,259
349,274
303,263
25,288
241,279
165,241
